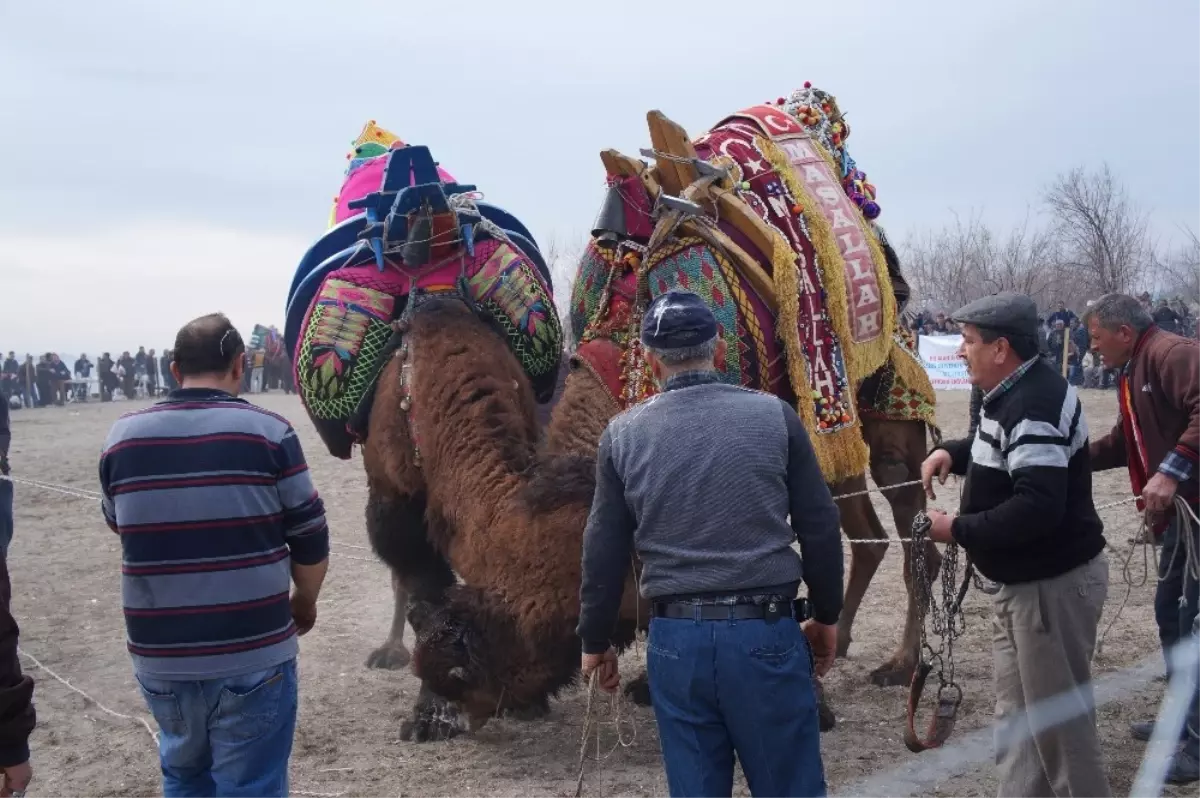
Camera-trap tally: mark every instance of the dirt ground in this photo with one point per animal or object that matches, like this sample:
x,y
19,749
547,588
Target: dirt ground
x,y
66,596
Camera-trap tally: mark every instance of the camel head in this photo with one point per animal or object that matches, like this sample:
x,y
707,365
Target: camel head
x,y
448,656
470,651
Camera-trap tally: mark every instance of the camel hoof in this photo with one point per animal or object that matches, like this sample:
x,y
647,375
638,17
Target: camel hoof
x,y
433,720
843,648
389,657
891,674
638,691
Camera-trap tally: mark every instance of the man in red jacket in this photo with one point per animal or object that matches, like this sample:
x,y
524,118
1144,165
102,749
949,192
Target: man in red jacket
x,y
1157,438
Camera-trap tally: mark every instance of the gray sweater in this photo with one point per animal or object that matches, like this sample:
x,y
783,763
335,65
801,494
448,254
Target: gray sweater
x,y
700,481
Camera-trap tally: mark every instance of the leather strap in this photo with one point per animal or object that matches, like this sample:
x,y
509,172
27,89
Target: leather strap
x,y
941,724
681,610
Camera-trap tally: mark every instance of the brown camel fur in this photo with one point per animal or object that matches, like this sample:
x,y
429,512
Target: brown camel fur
x,y
486,651
473,412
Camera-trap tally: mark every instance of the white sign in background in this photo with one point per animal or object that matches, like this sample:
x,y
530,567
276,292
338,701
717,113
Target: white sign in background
x,y
939,355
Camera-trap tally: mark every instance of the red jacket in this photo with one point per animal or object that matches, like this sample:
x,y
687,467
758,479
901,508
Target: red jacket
x,y
1162,381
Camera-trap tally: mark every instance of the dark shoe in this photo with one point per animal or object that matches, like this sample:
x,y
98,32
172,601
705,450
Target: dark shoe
x,y
1142,730
1185,768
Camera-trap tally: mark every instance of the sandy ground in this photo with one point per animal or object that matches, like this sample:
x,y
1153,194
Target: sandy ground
x,y
65,573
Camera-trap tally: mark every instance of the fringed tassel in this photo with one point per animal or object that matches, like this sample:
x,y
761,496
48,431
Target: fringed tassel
x,y
840,454
862,359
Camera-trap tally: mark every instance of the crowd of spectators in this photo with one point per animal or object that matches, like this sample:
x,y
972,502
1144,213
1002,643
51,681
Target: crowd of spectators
x,y
49,381
1064,337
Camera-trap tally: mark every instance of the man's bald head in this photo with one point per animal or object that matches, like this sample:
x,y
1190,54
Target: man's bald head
x,y
207,345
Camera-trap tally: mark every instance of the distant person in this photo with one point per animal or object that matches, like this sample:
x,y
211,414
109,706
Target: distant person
x,y
151,374
83,373
208,547
1166,317
106,372
1061,311
127,373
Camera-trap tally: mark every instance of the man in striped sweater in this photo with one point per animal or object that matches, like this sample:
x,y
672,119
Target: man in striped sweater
x,y
217,516
1028,522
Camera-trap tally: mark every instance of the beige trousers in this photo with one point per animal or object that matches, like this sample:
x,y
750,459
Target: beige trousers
x,y
1043,636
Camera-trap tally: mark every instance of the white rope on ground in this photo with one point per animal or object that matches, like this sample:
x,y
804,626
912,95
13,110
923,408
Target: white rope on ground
x,y
74,689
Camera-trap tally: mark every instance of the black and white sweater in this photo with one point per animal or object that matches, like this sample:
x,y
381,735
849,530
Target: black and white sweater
x,y
1027,510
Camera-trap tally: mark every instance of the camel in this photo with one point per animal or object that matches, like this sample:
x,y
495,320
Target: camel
x,y
514,648
427,340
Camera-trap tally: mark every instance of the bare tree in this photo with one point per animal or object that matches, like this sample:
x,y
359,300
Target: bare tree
x,y
1102,232
943,266
967,260
1179,270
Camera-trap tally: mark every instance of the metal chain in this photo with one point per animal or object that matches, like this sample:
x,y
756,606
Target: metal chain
x,y
946,619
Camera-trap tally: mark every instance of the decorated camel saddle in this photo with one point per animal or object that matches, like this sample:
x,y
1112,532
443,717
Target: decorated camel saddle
x,y
403,229
769,219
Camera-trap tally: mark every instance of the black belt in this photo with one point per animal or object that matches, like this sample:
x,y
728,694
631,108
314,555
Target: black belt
x,y
769,611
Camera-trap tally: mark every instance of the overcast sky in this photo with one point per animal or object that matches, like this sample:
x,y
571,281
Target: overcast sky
x,y
166,158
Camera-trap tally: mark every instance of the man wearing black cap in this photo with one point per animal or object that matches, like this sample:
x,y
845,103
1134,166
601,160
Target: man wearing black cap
x,y
1028,522
700,480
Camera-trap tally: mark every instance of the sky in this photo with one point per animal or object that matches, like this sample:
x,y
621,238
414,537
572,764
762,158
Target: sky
x,y
164,159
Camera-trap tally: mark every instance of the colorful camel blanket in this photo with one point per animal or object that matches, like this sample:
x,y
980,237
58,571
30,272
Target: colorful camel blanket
x,y
836,322
348,334
344,299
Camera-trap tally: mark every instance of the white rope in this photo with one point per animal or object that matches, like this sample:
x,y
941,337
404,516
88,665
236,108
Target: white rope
x,y
95,496
74,689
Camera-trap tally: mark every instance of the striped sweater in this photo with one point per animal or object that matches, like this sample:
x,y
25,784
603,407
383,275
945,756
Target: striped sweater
x,y
213,500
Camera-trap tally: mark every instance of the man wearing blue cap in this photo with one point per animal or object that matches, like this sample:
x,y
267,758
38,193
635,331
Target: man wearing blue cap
x,y
700,481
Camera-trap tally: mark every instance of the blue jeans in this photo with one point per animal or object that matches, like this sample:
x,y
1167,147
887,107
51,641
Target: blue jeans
x,y
6,515
720,687
227,737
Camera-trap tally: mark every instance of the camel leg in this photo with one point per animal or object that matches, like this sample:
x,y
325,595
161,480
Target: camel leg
x,y
397,529
392,655
859,522
897,450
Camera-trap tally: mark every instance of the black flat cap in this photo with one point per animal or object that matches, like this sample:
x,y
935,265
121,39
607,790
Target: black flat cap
x,y
1006,312
677,320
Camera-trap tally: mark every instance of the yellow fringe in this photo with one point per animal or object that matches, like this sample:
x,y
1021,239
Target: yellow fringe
x,y
840,454
862,359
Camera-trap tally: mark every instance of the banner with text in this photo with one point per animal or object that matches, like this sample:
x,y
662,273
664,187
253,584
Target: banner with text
x,y
939,355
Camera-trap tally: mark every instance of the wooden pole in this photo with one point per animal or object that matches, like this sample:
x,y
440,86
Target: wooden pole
x,y
1066,345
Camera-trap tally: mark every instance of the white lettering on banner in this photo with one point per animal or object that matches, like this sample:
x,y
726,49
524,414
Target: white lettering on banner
x,y
830,195
867,295
840,221
778,206
939,355
868,325
813,175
